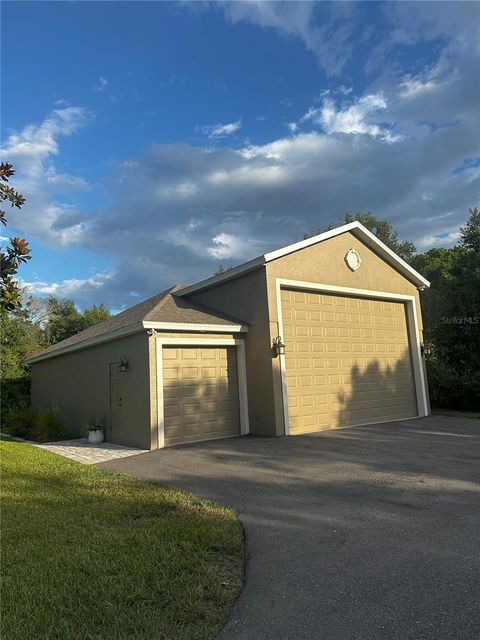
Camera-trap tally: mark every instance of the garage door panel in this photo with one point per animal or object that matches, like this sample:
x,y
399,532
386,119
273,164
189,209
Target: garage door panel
x,y
365,373
200,393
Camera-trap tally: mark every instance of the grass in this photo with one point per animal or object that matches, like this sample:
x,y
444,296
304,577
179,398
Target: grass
x,y
456,414
91,554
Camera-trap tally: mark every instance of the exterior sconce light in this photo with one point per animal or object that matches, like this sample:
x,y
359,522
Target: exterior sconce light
x,y
425,350
123,364
278,346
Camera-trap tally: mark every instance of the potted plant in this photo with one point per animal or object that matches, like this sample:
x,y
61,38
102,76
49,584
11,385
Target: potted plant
x,y
95,430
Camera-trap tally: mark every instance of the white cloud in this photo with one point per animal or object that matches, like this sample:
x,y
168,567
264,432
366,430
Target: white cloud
x,y
101,84
217,131
413,87
197,205
70,288
32,150
227,245
359,117
35,143
273,193
446,238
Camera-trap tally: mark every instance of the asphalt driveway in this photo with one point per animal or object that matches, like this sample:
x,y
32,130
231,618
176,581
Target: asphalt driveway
x,y
368,532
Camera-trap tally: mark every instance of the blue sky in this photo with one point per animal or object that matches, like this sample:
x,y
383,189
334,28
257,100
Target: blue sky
x,y
155,141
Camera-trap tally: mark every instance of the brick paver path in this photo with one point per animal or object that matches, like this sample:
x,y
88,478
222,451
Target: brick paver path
x,y
82,451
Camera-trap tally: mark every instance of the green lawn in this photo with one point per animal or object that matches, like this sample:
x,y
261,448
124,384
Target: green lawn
x,y
91,554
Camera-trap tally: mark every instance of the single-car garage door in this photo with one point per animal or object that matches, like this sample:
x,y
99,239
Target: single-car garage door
x,y
347,361
200,393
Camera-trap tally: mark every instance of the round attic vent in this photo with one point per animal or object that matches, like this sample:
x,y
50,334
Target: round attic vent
x,y
353,259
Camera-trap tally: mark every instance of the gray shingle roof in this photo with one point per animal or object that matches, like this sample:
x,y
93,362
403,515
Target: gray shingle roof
x,y
163,307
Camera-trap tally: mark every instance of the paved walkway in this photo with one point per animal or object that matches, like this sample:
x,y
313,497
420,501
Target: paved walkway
x,y
82,451
367,533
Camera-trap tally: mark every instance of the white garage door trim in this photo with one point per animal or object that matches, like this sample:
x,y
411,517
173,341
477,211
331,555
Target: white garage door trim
x,y
201,342
412,324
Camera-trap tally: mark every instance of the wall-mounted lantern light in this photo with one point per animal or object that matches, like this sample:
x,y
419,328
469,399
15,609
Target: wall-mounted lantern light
x,y
278,346
425,350
123,364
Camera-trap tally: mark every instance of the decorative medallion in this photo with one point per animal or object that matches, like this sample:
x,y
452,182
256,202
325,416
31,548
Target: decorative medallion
x,y
353,259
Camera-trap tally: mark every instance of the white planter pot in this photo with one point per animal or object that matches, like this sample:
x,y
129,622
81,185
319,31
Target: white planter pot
x,y
95,437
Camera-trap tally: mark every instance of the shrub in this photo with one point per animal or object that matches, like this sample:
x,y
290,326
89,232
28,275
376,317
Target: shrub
x,y
20,421
33,424
15,393
50,426
453,389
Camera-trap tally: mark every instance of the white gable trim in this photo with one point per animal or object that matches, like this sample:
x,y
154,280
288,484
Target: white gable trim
x,y
355,227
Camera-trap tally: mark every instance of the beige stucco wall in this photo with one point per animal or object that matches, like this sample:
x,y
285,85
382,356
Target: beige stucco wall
x,y
245,299
78,384
324,263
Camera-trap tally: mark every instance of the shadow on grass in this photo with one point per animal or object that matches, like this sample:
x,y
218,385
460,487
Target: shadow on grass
x,y
112,556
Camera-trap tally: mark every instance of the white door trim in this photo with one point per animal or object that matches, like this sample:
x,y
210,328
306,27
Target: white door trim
x,y
160,342
412,327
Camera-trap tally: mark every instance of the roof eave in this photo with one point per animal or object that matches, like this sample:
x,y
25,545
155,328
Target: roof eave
x,y
88,342
196,327
136,328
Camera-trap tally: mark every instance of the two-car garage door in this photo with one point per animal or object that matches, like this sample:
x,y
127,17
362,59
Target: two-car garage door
x,y
347,361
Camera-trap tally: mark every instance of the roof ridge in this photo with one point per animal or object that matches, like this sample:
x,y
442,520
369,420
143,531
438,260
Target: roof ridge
x,y
163,295
164,298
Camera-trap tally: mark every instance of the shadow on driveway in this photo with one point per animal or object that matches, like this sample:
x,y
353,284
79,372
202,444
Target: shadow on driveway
x,y
362,533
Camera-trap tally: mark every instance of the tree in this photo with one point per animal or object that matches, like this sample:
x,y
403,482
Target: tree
x,y
382,229
17,251
21,337
221,269
96,314
451,313
64,319
470,233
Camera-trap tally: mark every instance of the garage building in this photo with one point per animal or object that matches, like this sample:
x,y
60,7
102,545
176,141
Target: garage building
x,y
321,334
